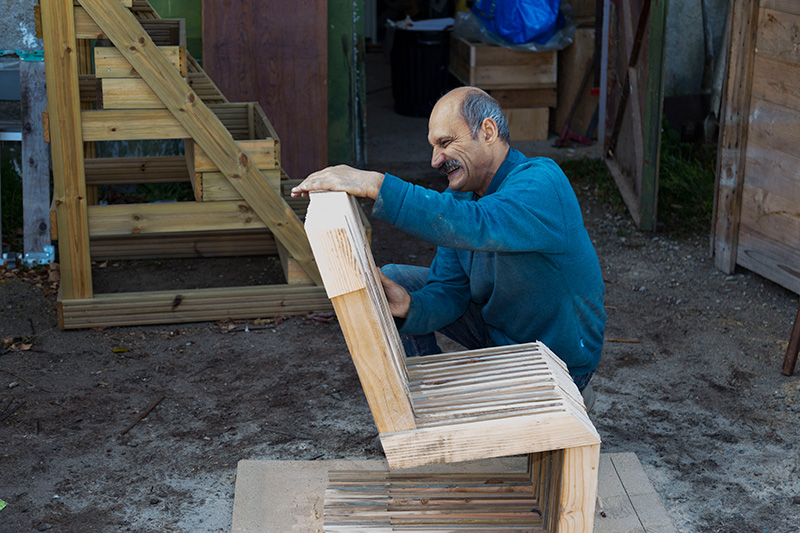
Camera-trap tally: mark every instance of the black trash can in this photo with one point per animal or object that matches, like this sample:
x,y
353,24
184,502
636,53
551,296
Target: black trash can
x,y
420,74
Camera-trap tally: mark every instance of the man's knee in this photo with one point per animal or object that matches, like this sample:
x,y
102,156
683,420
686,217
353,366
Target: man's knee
x,y
411,277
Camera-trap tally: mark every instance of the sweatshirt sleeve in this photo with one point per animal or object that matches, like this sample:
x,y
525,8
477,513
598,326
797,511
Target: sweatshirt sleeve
x,y
517,218
443,299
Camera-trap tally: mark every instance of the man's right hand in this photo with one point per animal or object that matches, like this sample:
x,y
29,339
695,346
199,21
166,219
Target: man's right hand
x,y
398,297
363,183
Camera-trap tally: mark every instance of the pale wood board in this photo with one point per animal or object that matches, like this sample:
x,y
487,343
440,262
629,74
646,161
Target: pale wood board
x,y
110,63
192,305
66,146
288,496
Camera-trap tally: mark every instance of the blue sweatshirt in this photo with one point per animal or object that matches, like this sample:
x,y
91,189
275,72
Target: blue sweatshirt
x,y
520,252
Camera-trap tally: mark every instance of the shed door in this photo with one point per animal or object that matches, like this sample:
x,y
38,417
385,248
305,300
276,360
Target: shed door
x,y
634,102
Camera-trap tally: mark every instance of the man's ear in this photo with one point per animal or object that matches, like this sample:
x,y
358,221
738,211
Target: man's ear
x,y
489,130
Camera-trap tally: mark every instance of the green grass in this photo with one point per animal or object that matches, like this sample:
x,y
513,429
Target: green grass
x,y
686,184
685,188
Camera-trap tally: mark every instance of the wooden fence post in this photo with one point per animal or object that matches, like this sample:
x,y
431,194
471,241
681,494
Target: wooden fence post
x,y
35,160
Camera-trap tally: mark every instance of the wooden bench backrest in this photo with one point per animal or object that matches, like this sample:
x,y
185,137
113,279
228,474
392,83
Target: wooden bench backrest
x,y
351,280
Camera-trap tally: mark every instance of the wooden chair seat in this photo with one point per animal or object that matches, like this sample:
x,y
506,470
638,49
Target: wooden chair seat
x,y
439,408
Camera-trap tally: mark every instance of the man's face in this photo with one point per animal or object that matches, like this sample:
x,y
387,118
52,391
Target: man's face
x,y
464,160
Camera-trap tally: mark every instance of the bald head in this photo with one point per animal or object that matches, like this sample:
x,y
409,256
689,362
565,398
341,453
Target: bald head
x,y
474,105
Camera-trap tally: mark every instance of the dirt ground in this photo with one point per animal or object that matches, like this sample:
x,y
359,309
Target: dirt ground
x,y
690,381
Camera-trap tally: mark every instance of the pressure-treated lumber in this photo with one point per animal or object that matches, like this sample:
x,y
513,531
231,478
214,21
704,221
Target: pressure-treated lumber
x,y
134,170
66,147
203,126
160,307
110,63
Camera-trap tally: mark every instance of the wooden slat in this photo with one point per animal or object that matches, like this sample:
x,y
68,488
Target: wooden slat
x,y
130,125
139,219
773,215
123,30
262,153
164,32
128,93
66,146
35,158
496,67
733,133
194,244
109,62
777,35
215,187
134,170
197,305
770,258
535,97
777,82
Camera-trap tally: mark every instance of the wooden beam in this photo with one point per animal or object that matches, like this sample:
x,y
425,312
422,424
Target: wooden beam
x,y
35,158
731,152
110,63
194,244
66,145
135,170
130,125
335,232
578,489
142,219
197,305
121,27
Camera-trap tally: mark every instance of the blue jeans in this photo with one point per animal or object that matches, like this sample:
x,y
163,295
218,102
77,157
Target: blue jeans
x,y
470,330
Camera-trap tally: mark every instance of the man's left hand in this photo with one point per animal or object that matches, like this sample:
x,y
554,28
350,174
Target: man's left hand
x,y
361,183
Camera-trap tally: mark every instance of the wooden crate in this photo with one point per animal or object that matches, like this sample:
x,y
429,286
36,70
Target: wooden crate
x,y
528,123
495,67
573,62
254,134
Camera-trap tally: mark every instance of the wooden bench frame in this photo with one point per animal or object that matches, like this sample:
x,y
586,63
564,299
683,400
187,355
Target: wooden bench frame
x,y
459,406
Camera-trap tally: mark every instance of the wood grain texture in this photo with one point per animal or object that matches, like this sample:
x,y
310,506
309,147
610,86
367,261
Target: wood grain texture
x,y
66,146
337,237
195,305
733,134
777,35
496,67
578,488
277,55
35,158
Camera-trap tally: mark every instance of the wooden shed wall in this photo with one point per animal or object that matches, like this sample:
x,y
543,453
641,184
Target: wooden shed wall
x,y
763,230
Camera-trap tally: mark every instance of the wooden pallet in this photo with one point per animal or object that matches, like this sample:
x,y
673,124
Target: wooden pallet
x,y
138,82
455,407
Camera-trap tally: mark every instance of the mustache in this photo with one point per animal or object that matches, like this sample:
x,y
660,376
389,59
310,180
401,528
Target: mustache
x,y
448,166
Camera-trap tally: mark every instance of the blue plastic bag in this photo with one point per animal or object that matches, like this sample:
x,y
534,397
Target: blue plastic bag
x,y
519,21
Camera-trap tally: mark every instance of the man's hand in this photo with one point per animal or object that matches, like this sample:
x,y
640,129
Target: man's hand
x,y
361,183
399,300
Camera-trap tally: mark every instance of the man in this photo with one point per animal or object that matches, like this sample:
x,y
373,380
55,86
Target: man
x,y
514,263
